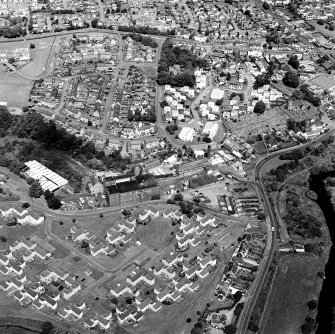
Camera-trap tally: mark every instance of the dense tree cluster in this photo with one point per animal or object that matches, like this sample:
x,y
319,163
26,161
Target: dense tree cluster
x,y
13,32
291,79
283,170
146,30
261,80
33,126
298,222
323,59
294,155
52,201
264,78
186,61
35,190
296,126
310,96
172,128
146,41
294,62
260,107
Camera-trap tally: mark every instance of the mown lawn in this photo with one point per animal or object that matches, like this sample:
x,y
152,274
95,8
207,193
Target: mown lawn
x,y
156,234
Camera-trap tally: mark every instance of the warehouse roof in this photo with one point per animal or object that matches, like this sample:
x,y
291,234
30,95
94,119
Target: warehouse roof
x,y
48,179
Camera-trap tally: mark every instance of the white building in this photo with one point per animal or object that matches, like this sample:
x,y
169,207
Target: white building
x,y
186,134
211,128
217,94
48,179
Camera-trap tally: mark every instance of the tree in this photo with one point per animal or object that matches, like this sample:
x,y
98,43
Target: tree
x,y
297,95
252,326
291,79
52,201
266,6
47,327
307,328
320,22
230,329
261,80
178,197
237,296
32,46
312,304
294,62
260,107
25,205
35,190
261,216
3,239
309,248
126,213
94,23
11,60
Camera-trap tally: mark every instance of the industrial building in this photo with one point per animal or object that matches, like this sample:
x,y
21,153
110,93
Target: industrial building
x,y
186,134
48,179
131,189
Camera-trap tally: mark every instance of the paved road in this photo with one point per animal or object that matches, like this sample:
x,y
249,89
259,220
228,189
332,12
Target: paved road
x,y
272,241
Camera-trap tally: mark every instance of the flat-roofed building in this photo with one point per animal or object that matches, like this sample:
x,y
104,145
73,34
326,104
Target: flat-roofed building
x,y
48,179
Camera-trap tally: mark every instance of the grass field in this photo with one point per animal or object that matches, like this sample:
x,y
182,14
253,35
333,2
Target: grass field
x,y
16,94
97,225
293,286
39,56
60,252
17,232
156,234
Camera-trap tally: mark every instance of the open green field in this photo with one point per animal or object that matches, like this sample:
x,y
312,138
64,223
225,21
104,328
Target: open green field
x,y
322,29
60,252
156,234
97,225
17,232
294,285
16,94
39,55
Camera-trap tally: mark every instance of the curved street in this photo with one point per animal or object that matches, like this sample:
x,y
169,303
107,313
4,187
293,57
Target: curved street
x,y
272,241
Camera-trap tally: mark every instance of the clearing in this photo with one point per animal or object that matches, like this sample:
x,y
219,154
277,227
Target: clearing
x,y
294,285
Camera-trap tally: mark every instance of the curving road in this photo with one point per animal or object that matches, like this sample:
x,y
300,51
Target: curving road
x,y
254,291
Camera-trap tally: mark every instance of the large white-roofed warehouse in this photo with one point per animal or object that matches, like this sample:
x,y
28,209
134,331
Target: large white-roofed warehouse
x,y
48,179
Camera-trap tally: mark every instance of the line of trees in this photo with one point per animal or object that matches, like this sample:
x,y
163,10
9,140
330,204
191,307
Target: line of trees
x,y
145,30
305,94
145,40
